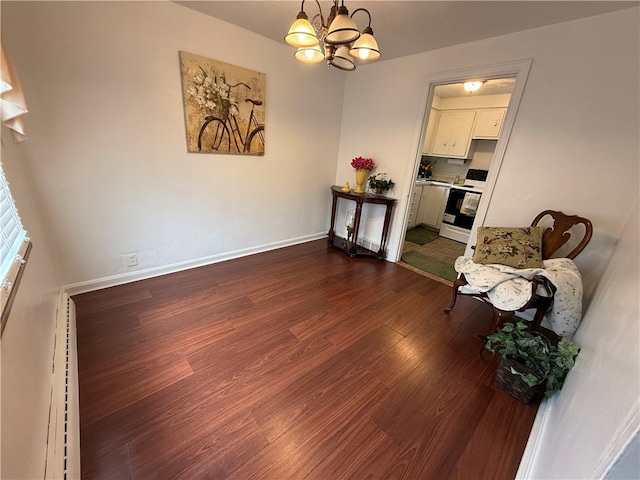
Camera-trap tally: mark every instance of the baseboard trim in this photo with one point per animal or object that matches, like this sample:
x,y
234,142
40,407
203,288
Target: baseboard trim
x,y
121,279
535,438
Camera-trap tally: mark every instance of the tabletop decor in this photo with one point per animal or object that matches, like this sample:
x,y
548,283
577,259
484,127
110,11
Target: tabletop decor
x,y
223,106
379,183
362,166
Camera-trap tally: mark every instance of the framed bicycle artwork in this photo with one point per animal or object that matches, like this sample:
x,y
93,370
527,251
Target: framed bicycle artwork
x,y
223,106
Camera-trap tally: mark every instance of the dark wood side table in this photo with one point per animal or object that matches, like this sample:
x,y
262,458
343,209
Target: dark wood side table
x,y
349,245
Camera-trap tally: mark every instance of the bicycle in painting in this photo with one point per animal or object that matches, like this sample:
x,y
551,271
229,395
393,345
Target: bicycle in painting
x,y
222,133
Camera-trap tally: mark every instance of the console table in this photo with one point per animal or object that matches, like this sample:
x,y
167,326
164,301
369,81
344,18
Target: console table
x,y
349,245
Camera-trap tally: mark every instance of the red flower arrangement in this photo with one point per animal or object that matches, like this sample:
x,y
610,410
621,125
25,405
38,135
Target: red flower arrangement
x,y
360,163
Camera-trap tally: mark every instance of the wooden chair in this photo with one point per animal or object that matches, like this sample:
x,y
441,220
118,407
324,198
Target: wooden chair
x,y
553,238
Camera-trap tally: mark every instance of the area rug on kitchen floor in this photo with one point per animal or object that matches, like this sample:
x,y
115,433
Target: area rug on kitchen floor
x,y
421,235
431,265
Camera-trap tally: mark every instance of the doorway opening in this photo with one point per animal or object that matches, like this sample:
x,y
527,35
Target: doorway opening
x,y
458,149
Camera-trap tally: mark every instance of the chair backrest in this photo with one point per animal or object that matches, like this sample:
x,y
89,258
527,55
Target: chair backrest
x,y
558,234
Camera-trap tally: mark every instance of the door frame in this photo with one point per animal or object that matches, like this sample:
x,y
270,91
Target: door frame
x,y
519,70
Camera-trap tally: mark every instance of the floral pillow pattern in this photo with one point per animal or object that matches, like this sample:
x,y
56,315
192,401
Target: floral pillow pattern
x,y
515,247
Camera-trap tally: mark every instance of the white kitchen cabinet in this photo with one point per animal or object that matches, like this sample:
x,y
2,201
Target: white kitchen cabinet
x,y
435,198
453,135
488,123
427,205
422,208
415,205
432,126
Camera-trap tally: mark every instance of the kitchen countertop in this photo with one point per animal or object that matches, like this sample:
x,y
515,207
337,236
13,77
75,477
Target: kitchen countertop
x,y
422,181
461,186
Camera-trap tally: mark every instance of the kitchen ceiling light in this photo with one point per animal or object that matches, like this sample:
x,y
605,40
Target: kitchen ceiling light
x,y
336,36
472,86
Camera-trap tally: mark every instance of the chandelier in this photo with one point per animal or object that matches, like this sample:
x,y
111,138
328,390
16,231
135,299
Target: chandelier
x,y
338,41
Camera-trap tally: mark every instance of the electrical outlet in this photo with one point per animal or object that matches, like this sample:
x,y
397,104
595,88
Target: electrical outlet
x,y
132,260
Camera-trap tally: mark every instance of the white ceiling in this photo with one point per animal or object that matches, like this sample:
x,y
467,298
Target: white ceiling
x,y
407,27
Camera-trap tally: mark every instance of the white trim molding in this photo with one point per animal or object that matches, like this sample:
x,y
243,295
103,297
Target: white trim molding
x,y
113,280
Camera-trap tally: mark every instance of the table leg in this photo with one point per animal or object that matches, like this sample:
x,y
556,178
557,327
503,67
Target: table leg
x,y
356,227
385,232
332,232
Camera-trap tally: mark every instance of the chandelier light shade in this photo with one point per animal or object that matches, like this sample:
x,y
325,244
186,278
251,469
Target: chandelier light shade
x,y
338,41
309,55
341,59
301,33
342,29
366,47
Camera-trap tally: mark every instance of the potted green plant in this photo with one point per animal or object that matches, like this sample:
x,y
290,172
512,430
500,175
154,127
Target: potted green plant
x,y
379,183
529,363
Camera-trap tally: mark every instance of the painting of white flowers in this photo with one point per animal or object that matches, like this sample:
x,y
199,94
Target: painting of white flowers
x,y
223,106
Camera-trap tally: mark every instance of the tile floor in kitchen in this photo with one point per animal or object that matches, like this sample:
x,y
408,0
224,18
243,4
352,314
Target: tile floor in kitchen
x,y
441,248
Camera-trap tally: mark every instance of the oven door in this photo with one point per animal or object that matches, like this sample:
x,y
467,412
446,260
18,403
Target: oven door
x,y
461,208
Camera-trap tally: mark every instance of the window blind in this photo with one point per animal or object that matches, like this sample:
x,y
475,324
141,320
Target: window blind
x,y
12,234
14,244
14,247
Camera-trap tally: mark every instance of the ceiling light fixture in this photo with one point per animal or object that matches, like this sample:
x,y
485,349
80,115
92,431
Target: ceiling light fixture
x,y
335,41
472,86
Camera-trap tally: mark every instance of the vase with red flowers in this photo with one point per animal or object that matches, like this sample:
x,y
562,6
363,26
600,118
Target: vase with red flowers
x,y
362,167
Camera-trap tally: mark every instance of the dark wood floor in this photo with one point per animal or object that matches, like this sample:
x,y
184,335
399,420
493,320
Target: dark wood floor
x,y
300,363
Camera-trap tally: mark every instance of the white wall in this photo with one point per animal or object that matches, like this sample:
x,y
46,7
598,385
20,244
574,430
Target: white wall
x,y
574,144
108,138
598,410
27,341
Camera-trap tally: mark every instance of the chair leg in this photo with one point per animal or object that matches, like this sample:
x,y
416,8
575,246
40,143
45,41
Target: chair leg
x,y
459,282
500,317
539,316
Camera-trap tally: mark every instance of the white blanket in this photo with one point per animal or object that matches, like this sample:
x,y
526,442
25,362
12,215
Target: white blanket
x,y
509,288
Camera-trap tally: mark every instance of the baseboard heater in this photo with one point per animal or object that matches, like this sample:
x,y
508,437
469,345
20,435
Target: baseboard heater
x,y
63,442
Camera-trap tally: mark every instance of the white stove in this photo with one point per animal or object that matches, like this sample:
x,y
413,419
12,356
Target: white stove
x,y
461,206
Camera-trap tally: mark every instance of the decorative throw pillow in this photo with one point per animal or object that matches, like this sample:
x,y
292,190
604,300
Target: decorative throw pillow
x,y
515,247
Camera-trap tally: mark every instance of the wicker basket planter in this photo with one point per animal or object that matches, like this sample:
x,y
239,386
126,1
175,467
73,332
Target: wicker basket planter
x,y
513,384
533,357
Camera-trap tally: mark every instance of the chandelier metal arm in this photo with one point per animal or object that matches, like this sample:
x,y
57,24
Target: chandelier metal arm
x,y
364,10
322,24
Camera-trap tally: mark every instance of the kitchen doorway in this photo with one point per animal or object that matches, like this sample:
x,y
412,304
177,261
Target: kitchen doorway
x,y
461,148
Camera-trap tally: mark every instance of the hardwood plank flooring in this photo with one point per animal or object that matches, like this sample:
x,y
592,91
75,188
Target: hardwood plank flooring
x,y
299,363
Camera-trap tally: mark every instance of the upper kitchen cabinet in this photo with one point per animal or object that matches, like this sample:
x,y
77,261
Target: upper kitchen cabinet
x,y
456,117
432,125
488,123
453,134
